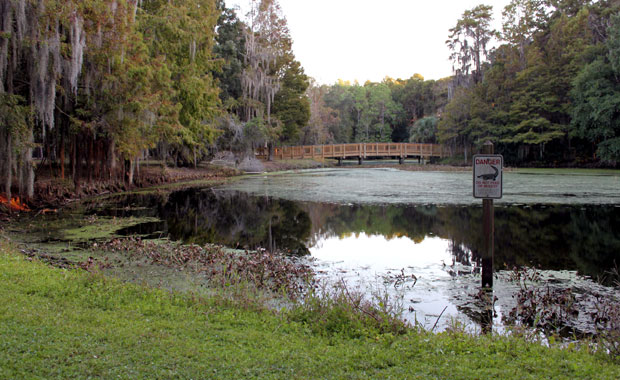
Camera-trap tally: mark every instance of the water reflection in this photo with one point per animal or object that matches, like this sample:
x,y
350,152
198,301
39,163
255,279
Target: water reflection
x,y
397,263
236,220
439,245
557,237
547,237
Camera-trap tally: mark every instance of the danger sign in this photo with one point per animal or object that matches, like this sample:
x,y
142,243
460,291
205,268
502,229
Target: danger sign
x,y
488,178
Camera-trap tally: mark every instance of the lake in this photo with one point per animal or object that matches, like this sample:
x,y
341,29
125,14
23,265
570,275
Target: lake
x,y
413,235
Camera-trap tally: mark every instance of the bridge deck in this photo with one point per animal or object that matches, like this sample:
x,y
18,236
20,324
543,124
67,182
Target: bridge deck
x,y
359,150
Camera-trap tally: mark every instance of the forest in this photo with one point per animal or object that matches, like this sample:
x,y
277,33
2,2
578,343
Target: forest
x,y
89,88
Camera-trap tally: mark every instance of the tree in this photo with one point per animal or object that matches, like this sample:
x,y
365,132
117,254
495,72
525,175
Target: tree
x,y
540,112
323,119
340,99
424,130
267,40
360,104
466,121
596,97
381,111
291,105
182,32
416,97
230,49
521,20
468,42
15,143
40,42
271,68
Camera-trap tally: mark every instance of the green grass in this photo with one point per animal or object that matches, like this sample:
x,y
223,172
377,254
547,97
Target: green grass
x,y
72,324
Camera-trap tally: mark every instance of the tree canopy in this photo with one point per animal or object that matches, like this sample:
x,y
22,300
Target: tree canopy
x,y
89,88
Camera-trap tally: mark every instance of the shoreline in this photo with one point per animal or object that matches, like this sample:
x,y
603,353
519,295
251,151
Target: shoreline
x,y
53,193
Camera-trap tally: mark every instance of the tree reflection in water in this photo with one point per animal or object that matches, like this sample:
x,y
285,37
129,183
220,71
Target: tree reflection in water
x,y
233,219
555,237
548,237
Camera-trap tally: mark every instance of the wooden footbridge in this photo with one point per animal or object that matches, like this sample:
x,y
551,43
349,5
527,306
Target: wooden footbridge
x,y
359,151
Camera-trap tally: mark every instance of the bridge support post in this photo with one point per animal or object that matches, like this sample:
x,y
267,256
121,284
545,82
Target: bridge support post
x,y
401,160
419,159
360,160
339,161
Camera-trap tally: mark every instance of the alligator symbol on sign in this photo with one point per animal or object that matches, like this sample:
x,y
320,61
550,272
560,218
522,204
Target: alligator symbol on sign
x,y
490,176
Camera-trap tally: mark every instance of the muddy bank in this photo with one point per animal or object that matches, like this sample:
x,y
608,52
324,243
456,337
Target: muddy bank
x,y
52,192
175,266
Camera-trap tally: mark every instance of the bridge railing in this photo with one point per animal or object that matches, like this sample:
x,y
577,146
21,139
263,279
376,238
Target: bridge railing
x,y
362,150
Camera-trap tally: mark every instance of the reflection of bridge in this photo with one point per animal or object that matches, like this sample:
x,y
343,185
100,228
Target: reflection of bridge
x,y
359,151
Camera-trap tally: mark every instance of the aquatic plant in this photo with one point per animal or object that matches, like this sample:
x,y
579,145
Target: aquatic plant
x,y
565,309
274,272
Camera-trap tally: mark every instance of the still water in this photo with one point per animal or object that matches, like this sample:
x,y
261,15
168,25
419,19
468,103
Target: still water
x,y
415,235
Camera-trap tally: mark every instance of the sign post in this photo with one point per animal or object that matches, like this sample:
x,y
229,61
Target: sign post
x,y
488,185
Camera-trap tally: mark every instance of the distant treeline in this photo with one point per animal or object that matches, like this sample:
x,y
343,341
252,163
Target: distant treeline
x,y
549,94
90,87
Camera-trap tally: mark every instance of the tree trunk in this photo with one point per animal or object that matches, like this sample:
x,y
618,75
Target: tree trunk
x,y
90,158
465,151
382,121
49,154
163,152
61,154
112,159
73,157
77,165
19,170
3,152
8,163
98,159
28,167
131,172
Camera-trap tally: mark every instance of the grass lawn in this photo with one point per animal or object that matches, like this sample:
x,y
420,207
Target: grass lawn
x,y
65,324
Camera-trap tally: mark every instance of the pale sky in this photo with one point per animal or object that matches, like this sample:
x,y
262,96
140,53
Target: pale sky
x,y
368,40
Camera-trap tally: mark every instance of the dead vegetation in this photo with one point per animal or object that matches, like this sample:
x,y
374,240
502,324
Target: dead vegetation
x,y
223,267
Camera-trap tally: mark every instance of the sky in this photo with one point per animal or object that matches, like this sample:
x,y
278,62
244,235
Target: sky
x,y
369,40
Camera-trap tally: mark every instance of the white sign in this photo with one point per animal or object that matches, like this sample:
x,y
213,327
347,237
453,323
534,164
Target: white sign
x,y
488,178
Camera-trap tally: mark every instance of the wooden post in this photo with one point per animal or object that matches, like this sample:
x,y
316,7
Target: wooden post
x,y
488,229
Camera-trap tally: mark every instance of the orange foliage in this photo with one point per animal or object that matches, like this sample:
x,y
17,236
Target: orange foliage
x,y
15,204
